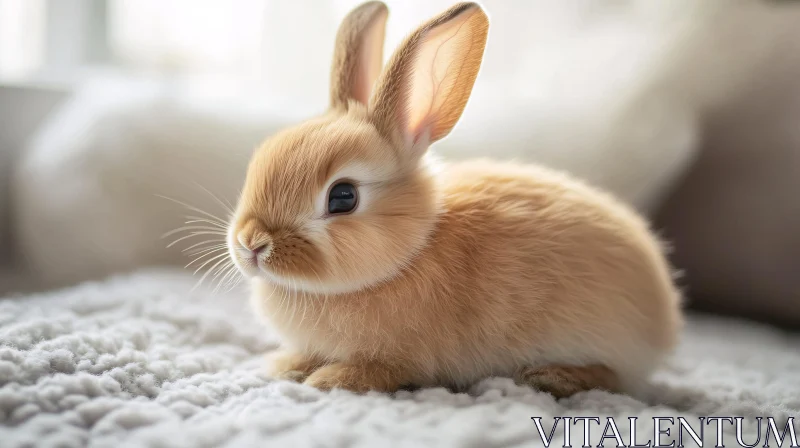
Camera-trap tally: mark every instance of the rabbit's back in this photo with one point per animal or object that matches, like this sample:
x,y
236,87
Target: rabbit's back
x,y
526,266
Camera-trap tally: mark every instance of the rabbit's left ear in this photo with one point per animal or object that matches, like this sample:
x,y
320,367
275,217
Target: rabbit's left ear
x,y
425,86
358,56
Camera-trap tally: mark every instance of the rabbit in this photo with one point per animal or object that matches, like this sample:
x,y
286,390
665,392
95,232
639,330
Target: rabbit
x,y
616,93
382,267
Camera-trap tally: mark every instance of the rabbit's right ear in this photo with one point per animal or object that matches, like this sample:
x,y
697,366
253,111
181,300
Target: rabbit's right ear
x,y
426,85
358,56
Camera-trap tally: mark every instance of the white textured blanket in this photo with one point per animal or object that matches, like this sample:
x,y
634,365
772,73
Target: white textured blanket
x,y
139,360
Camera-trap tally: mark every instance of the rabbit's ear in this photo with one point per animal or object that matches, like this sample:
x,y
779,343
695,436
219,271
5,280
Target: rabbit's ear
x,y
425,87
358,56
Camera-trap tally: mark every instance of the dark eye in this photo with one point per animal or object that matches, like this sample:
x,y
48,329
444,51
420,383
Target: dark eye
x,y
342,198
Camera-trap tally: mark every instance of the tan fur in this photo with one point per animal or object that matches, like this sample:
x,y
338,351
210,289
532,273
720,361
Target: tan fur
x,y
563,381
358,55
448,277
417,72
292,365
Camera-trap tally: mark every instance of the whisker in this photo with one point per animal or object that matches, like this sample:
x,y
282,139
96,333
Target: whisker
x,y
194,209
228,276
231,287
224,270
185,228
209,255
236,279
216,257
199,282
227,207
201,243
198,219
201,258
193,234
201,250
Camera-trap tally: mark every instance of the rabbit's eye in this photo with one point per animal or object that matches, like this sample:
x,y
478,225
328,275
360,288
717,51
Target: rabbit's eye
x,y
342,198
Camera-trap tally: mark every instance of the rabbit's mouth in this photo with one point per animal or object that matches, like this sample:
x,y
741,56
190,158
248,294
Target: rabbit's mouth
x,y
301,285
260,264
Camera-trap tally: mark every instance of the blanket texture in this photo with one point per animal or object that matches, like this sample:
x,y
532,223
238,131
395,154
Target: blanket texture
x,y
142,360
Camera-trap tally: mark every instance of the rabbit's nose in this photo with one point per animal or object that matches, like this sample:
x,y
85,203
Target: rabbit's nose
x,y
251,245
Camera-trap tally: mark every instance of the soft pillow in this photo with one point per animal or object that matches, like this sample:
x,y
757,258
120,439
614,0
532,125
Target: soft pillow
x,y
22,109
87,192
613,92
735,219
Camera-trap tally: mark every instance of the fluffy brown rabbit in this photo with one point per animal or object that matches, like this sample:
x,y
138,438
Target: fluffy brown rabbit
x,y
382,269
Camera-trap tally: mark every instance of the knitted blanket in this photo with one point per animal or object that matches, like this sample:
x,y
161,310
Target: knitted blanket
x,y
142,360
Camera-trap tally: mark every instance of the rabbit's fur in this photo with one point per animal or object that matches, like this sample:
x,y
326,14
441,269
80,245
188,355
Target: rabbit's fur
x,y
440,274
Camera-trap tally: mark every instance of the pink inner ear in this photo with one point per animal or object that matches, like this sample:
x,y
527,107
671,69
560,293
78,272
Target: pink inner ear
x,y
436,70
363,82
370,61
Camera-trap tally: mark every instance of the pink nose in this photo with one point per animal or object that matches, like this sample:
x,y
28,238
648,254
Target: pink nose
x,y
258,249
254,251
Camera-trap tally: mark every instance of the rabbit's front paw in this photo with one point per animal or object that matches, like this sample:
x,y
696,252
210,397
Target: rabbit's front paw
x,y
292,366
357,378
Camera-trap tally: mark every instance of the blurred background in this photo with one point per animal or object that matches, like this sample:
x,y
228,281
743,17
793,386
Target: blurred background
x,y
282,47
688,110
